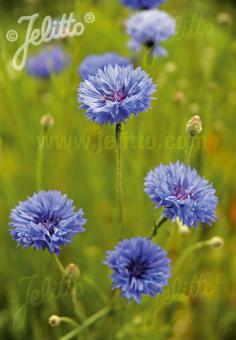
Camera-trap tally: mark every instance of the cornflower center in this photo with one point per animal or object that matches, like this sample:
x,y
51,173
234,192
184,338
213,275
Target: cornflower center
x,y
150,43
116,96
48,223
180,193
136,269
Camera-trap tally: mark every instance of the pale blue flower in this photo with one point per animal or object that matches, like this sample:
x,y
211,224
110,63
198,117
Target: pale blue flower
x,y
48,219
183,194
113,94
92,63
150,28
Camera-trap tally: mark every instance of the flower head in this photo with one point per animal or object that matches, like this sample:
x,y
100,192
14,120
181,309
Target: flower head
x,y
142,4
48,61
194,126
183,194
91,64
150,28
46,220
114,93
139,267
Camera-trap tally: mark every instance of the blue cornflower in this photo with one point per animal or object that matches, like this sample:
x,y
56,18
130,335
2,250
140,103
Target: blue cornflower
x,y
92,63
183,193
48,61
150,28
139,267
142,4
114,93
46,220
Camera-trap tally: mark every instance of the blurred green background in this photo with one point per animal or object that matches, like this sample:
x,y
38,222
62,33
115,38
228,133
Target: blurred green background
x,y
198,77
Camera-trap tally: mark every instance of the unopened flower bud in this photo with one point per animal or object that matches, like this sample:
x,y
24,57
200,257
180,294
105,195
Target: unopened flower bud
x,y
179,97
72,271
194,126
54,320
216,242
47,121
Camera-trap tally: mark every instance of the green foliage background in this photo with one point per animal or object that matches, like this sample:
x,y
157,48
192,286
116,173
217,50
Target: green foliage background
x,y
200,301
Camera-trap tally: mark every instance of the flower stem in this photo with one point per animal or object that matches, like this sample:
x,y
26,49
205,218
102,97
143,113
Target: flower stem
x,y
185,255
77,306
93,284
149,58
59,265
189,149
91,320
39,161
157,225
69,321
119,179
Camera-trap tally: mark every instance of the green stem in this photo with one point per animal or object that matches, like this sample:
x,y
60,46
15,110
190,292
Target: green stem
x,y
93,284
77,306
189,149
39,161
91,320
69,321
186,254
59,265
119,179
149,58
157,225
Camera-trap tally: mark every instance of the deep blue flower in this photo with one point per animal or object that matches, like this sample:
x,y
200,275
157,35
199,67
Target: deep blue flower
x,y
48,61
92,63
183,193
150,28
139,267
46,220
142,4
114,93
